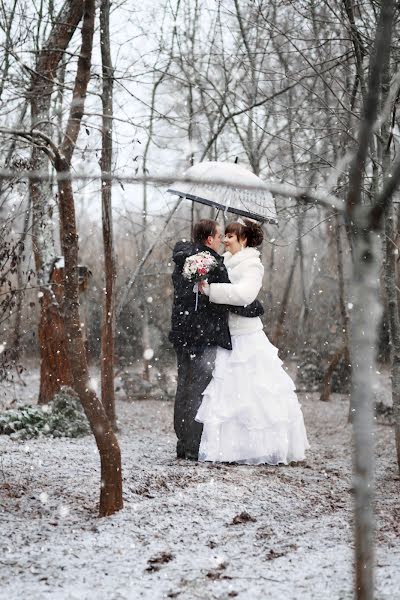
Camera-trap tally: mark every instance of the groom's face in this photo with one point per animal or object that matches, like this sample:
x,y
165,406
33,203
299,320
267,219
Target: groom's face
x,y
214,241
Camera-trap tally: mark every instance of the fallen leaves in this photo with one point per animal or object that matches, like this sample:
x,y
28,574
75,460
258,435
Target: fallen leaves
x,y
155,563
272,554
218,572
243,517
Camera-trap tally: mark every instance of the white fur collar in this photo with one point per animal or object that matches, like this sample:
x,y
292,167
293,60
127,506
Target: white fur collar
x,y
232,260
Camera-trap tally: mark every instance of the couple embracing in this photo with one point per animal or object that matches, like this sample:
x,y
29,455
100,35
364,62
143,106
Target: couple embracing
x,y
234,401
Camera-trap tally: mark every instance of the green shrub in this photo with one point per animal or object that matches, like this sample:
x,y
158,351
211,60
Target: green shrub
x,y
63,417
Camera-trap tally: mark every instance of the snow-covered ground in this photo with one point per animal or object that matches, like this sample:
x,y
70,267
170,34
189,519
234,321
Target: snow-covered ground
x,y
190,530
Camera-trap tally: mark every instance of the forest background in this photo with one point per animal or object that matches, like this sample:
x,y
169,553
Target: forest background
x,y
102,101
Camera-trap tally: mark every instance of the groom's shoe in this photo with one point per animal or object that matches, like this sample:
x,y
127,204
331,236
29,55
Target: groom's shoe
x,y
180,450
192,453
191,456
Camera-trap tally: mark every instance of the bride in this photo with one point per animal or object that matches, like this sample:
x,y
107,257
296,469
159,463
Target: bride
x,y
250,412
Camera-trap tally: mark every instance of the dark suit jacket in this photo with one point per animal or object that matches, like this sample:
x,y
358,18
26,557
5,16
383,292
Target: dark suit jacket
x,y
208,325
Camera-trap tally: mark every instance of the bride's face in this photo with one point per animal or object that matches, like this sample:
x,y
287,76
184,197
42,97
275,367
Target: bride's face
x,y
232,243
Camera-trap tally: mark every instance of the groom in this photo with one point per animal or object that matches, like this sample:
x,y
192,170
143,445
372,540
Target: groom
x,y
195,334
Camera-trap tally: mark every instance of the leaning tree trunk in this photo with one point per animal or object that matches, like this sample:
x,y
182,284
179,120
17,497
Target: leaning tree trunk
x,y
108,319
107,443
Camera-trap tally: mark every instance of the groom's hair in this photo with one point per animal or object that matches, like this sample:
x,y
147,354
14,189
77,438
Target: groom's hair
x,y
203,229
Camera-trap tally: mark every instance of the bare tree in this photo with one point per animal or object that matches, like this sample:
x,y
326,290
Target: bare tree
x,y
55,369
285,299
343,352
108,320
384,143
110,456
365,315
61,158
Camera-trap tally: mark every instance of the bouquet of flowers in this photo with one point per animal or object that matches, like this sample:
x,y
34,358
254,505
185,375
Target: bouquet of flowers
x,y
197,267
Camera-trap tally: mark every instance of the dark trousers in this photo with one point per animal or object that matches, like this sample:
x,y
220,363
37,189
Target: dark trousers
x,y
194,374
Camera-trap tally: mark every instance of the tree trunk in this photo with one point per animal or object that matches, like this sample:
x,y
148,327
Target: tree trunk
x,y
15,337
304,303
107,443
285,300
327,381
365,315
55,368
143,294
344,350
54,364
342,299
270,284
7,44
390,267
108,319
394,321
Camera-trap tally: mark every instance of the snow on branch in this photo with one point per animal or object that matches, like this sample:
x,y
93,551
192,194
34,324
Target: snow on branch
x,y
321,197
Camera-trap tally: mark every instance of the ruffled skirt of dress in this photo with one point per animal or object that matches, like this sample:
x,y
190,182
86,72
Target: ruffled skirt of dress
x,y
250,412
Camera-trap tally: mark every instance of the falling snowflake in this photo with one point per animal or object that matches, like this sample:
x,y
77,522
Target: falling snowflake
x,y
148,354
94,384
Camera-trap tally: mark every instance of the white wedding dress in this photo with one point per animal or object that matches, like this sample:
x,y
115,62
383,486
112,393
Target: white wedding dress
x,y
250,412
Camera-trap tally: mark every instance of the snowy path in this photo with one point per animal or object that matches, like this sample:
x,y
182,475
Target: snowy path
x,y
177,536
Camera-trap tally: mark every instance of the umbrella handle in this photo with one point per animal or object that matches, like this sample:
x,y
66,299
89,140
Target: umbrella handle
x,y
196,291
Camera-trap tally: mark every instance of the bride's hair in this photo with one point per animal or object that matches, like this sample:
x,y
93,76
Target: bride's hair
x,y
249,230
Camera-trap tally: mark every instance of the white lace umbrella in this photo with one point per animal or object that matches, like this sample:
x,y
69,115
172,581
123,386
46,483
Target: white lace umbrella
x,y
229,187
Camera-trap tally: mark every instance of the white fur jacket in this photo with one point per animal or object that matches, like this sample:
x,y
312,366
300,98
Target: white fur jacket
x,y
245,271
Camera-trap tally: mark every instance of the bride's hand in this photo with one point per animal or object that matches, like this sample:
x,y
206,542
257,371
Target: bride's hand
x,y
204,287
